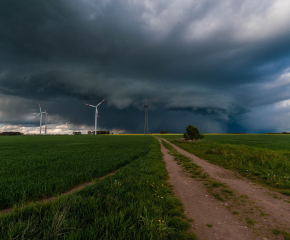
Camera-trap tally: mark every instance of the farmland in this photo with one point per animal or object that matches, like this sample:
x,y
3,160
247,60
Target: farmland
x,y
263,158
269,141
41,166
134,203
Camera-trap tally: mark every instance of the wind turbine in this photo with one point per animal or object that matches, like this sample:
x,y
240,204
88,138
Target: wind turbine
x,y
96,114
40,113
46,117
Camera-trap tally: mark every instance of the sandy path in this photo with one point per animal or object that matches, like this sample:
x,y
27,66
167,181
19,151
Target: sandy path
x,y
75,189
277,209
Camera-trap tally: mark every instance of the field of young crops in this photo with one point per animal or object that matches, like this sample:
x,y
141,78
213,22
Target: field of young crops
x,y
268,141
134,203
41,166
263,158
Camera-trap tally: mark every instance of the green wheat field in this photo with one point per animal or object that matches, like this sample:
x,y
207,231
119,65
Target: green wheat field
x,y
136,202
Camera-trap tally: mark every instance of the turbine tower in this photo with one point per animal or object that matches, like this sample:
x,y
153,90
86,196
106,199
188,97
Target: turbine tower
x,y
40,113
146,128
96,114
46,117
40,124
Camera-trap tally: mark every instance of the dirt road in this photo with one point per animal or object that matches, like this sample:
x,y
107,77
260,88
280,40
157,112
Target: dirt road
x,y
214,219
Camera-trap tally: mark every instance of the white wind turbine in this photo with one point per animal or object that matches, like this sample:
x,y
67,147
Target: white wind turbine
x,y
96,114
46,117
40,113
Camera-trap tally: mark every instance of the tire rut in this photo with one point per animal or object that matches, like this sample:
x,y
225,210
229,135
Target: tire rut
x,y
49,199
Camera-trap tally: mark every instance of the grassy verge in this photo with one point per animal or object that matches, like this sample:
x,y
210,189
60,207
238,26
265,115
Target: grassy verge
x,y
135,203
266,166
286,235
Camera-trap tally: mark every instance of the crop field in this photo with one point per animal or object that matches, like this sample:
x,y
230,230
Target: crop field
x,y
269,141
262,158
134,203
41,166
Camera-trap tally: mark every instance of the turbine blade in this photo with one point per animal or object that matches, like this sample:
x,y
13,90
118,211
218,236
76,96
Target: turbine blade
x,y
90,105
101,102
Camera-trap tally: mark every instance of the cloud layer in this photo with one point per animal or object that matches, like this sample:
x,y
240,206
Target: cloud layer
x,y
213,64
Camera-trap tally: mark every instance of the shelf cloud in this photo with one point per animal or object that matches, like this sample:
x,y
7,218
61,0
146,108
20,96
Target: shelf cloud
x,y
222,66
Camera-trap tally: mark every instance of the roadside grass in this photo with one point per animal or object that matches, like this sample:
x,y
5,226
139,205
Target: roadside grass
x,y
286,235
265,166
33,167
135,203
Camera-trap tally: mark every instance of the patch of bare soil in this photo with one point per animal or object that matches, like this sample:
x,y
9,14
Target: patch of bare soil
x,y
184,140
253,213
49,199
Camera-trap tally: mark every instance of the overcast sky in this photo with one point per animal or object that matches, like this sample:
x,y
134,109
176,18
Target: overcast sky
x,y
220,65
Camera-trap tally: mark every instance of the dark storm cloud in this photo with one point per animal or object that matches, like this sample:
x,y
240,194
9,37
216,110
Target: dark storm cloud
x,y
211,60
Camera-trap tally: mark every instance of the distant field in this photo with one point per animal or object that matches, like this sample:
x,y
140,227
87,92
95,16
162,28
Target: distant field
x,y
274,142
268,141
41,166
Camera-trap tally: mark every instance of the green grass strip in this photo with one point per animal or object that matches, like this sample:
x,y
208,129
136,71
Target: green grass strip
x,y
135,203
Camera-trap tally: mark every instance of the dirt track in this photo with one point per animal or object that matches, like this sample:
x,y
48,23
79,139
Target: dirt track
x,y
267,213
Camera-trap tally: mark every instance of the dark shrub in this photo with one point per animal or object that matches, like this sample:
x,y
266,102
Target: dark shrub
x,y
192,133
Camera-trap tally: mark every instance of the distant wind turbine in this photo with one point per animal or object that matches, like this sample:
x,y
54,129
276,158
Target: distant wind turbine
x,y
40,124
96,114
46,117
40,113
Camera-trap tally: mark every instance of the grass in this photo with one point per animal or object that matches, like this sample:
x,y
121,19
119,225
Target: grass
x,y
267,141
268,166
135,203
279,142
250,221
32,167
286,235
